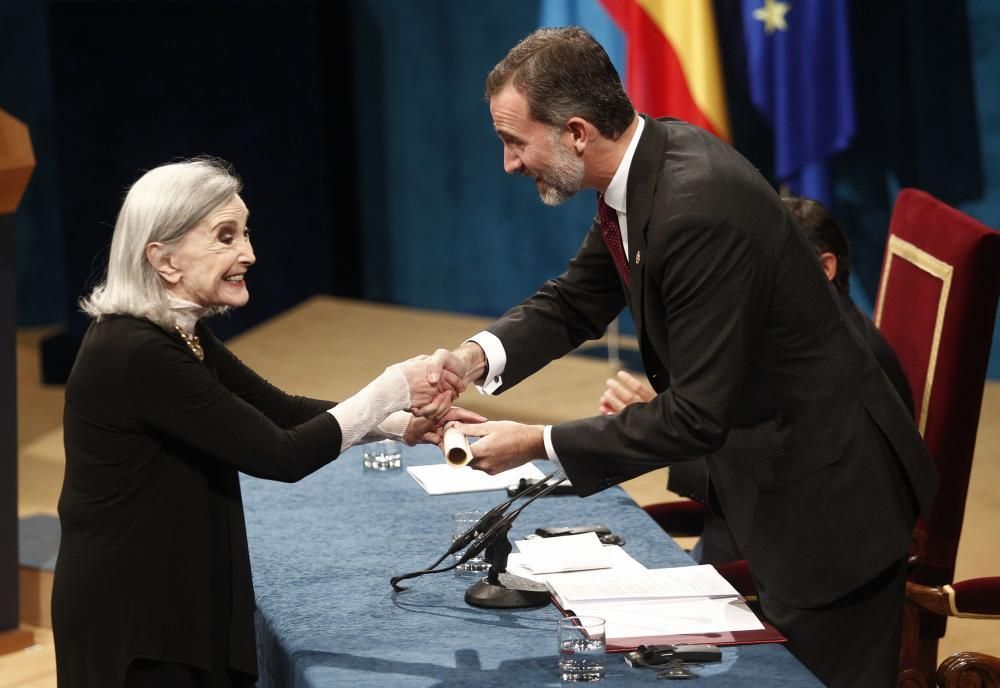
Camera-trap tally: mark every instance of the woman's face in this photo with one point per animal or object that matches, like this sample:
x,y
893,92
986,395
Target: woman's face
x,y
210,262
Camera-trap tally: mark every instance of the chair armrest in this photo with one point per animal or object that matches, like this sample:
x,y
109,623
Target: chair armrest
x,y
969,669
973,598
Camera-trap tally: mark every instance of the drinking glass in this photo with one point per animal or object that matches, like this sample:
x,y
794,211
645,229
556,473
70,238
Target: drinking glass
x,y
464,520
384,455
581,648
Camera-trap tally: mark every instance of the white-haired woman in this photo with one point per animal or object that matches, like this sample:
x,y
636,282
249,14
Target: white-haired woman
x,y
152,583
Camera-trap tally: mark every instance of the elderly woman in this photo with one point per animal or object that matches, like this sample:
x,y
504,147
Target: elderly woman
x,y
152,584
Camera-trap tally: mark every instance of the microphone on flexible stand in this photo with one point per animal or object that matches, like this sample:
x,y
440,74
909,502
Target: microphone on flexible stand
x,y
486,533
499,589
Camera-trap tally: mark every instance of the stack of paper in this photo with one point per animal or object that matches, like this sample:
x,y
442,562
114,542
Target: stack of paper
x,y
566,553
440,478
612,556
639,605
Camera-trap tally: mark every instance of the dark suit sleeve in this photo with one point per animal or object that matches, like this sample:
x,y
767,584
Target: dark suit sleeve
x,y
714,293
285,410
565,312
180,399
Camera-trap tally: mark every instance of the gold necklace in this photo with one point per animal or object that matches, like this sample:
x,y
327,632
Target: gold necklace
x,y
192,342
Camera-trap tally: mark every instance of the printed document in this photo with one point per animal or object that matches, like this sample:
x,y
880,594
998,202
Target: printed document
x,y
655,602
682,581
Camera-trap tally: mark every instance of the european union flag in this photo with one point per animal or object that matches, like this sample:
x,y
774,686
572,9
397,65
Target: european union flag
x,y
799,72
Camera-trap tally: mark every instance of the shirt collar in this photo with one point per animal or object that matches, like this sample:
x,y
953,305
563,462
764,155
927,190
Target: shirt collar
x,y
185,313
614,195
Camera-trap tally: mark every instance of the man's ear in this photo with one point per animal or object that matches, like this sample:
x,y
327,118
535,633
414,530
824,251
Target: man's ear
x,y
582,132
829,263
162,262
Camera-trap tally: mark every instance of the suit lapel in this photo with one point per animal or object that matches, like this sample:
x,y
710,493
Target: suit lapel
x,y
642,178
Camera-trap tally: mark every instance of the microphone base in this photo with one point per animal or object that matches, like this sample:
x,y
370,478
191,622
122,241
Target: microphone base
x,y
513,592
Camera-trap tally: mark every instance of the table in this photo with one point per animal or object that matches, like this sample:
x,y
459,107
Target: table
x,y
323,551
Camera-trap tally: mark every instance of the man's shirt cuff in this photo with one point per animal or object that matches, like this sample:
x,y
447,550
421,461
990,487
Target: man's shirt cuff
x,y
549,449
496,360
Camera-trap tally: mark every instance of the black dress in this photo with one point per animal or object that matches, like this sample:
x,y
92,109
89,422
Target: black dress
x,y
153,561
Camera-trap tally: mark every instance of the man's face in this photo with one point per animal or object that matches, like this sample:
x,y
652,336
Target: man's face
x,y
535,149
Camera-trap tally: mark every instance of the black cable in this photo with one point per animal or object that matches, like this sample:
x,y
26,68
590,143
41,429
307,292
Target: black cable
x,y
489,527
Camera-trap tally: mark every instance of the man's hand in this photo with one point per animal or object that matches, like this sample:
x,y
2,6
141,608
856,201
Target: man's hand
x,y
429,398
467,361
503,444
624,389
430,431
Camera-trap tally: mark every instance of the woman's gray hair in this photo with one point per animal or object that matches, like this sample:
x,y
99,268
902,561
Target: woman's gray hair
x,y
162,206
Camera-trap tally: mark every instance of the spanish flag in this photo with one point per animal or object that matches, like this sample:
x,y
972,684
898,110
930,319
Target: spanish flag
x,y
670,51
672,65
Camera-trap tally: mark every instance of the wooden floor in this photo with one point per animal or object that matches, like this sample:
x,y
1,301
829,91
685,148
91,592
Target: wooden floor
x,y
329,348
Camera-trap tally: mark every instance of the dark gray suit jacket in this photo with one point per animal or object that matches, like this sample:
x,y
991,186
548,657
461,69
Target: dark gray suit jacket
x,y
817,464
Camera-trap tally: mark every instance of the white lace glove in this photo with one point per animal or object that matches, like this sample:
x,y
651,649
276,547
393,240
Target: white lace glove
x,y
363,412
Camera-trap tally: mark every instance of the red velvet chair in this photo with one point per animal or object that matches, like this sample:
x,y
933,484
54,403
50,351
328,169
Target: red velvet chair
x,y
682,518
936,308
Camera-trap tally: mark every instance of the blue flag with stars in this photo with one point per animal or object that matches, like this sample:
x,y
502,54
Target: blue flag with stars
x,y
801,81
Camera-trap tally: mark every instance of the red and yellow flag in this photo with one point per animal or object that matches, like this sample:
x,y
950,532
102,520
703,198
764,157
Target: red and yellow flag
x,y
672,60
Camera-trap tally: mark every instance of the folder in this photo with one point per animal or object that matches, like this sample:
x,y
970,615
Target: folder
x,y
768,634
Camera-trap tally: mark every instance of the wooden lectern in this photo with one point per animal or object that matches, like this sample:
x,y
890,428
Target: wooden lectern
x,y
17,162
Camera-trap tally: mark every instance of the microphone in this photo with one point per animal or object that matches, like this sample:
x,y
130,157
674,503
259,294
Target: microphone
x,y
503,525
499,589
485,530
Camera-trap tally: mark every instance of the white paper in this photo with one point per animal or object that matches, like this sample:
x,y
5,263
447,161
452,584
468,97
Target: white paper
x,y
565,553
682,581
617,558
649,618
440,478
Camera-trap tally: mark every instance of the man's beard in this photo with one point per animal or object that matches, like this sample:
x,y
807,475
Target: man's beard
x,y
563,178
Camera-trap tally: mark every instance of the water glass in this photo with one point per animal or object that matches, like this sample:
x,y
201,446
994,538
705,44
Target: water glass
x,y
462,521
581,648
384,455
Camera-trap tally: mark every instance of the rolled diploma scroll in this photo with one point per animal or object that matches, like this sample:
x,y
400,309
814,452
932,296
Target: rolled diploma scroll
x,y
456,447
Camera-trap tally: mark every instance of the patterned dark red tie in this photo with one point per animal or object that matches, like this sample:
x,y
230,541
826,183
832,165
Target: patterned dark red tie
x,y
612,233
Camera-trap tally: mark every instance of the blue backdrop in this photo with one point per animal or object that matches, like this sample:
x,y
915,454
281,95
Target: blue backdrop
x,y
407,202
445,228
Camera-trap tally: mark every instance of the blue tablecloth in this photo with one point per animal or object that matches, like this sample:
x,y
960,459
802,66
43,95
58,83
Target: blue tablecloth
x,y
323,551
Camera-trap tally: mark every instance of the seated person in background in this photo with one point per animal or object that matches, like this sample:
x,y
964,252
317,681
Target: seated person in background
x,y
690,479
152,583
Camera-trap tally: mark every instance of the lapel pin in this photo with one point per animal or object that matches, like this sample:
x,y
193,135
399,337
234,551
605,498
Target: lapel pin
x,y
638,257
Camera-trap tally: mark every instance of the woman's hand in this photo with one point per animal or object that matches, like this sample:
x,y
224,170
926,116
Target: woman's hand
x,y
429,431
624,389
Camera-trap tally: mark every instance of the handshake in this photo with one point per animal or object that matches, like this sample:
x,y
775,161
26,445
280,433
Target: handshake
x,y
435,382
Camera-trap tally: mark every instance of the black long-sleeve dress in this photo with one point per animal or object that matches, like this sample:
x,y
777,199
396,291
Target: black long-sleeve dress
x,y
153,561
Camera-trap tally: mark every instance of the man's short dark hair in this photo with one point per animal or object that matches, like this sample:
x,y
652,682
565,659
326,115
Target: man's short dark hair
x,y
824,234
565,73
